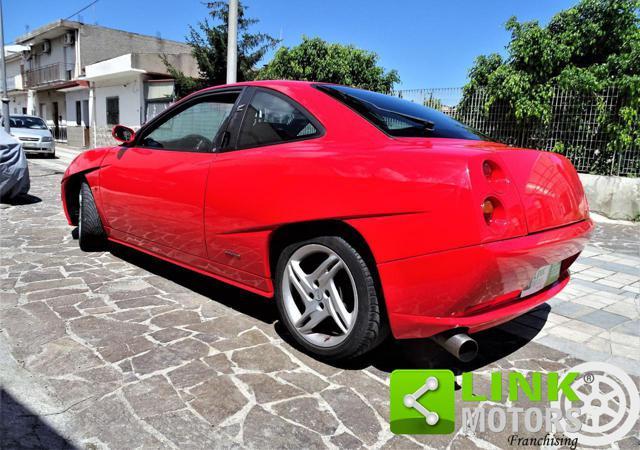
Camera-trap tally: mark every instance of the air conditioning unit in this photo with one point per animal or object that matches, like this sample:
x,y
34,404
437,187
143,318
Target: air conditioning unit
x,y
69,38
46,46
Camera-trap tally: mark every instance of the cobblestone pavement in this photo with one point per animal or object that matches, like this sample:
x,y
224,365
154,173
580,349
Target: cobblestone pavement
x,y
119,350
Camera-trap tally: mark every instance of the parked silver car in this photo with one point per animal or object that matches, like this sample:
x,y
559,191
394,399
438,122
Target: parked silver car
x,y
33,134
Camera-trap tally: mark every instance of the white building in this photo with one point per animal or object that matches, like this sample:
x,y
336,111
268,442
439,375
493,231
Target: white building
x,y
83,78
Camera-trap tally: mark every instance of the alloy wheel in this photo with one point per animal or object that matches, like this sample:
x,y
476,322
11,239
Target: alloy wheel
x,y
320,295
80,213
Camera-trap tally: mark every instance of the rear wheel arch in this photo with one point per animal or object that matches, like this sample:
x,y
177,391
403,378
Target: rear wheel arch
x,y
296,232
374,325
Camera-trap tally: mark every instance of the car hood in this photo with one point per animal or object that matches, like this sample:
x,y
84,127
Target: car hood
x,y
28,132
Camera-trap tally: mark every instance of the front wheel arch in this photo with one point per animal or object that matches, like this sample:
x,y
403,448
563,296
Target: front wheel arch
x,y
71,194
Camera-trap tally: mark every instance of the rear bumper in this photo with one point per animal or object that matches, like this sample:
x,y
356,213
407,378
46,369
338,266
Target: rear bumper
x,y
476,287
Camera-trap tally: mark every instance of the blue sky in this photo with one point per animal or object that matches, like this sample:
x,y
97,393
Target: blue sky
x,y
430,43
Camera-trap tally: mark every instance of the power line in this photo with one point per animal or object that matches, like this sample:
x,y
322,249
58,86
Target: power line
x,y
86,7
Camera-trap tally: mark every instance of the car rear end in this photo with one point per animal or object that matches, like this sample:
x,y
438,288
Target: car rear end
x,y
478,233
532,220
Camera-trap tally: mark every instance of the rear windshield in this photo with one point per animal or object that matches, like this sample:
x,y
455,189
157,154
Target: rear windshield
x,y
398,117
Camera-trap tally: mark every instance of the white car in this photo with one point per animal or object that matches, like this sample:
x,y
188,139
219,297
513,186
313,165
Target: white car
x,y
33,134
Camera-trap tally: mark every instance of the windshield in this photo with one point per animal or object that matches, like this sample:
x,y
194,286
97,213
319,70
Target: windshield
x,y
400,118
33,123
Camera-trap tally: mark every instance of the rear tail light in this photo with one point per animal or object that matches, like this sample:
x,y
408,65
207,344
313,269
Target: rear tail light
x,y
487,169
493,173
493,212
488,208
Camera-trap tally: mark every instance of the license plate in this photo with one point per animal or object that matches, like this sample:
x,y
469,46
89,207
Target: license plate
x,y
544,277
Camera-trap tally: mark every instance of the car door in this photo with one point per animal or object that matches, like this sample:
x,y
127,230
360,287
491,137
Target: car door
x,y
153,190
245,182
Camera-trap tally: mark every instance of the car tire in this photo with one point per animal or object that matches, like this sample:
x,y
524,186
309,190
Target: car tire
x,y
367,325
91,235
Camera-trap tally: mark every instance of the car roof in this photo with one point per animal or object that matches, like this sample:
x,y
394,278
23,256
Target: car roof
x,y
275,84
266,83
26,115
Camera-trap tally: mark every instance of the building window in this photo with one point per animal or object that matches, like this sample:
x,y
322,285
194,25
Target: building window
x,y
113,111
78,113
154,108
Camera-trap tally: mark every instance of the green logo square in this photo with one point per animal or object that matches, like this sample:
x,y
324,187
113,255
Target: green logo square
x,y
423,402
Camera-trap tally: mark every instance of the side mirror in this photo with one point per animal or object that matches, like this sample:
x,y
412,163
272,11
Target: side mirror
x,y
123,134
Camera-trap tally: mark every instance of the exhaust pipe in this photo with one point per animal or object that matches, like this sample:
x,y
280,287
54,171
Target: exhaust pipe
x,y
458,344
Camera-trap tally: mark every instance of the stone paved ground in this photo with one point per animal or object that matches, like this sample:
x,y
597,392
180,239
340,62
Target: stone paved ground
x,y
118,350
597,317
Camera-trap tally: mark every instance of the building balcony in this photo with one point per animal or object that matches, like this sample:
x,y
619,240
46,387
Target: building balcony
x,y
14,83
51,74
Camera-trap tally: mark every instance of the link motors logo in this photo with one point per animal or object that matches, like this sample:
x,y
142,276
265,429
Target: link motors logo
x,y
593,404
608,404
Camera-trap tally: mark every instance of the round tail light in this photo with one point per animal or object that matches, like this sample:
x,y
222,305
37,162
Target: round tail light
x,y
487,169
488,207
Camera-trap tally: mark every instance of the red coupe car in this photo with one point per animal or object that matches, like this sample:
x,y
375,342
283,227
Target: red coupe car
x,y
361,213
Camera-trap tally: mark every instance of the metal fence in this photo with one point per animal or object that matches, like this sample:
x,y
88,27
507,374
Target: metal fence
x,y
577,125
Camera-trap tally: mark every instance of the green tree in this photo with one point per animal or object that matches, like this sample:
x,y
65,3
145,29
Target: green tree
x,y
209,47
585,49
433,102
317,60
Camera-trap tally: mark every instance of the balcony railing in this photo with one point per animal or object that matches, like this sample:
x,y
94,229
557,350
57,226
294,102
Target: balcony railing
x,y
53,73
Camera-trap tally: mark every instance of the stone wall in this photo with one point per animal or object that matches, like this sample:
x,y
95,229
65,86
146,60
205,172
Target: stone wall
x,y
75,136
101,137
100,43
613,197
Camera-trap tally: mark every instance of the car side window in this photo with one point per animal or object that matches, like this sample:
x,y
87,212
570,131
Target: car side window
x,y
194,129
270,119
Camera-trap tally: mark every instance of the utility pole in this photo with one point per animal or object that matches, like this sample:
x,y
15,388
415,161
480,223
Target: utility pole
x,y
3,76
232,42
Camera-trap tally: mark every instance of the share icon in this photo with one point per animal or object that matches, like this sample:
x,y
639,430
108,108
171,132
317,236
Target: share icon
x,y
411,400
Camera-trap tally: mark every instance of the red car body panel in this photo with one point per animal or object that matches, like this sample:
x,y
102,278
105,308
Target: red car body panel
x,y
416,202
475,287
168,212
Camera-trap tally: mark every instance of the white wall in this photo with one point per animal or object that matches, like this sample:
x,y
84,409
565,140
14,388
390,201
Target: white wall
x,y
130,92
58,54
46,99
71,99
14,78
17,102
